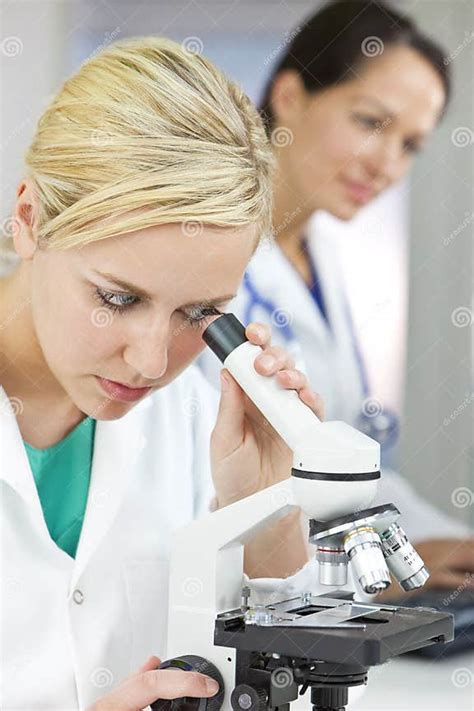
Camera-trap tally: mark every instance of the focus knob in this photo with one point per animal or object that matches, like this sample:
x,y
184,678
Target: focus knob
x,y
191,662
246,698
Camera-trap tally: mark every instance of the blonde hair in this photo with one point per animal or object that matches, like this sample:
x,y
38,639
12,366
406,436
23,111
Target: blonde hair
x,y
149,133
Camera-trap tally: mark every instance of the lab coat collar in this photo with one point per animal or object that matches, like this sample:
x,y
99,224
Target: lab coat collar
x,y
288,293
15,467
323,250
117,446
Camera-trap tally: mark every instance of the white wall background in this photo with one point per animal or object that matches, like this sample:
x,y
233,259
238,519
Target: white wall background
x,y
437,446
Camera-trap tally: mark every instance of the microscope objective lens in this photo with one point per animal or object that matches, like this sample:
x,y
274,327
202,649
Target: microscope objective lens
x,y
402,559
364,550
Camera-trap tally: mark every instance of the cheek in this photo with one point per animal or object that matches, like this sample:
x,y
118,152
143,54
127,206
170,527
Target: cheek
x,y
340,144
74,333
323,148
402,168
185,345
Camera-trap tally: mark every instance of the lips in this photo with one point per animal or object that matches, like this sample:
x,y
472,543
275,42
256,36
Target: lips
x,y
359,192
121,392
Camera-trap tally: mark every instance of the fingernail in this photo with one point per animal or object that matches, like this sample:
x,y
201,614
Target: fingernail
x,y
257,331
267,361
212,687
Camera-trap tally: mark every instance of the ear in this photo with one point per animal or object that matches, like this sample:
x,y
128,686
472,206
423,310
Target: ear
x,y
288,97
25,217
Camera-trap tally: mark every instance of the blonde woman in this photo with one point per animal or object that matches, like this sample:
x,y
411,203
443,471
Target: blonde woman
x,y
146,192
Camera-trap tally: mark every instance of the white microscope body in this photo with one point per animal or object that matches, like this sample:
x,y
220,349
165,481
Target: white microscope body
x,y
335,474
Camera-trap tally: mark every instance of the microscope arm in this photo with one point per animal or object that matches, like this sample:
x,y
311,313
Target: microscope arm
x,y
206,548
206,573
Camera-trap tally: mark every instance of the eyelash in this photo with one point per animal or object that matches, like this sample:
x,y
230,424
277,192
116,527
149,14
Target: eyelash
x,y
368,121
195,318
106,296
412,147
199,318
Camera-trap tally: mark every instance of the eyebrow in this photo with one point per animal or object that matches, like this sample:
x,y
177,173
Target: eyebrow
x,y
378,103
136,290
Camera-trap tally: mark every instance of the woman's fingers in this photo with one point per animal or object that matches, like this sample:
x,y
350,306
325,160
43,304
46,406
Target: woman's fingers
x,y
144,688
296,380
292,379
450,580
455,554
461,555
174,683
229,428
152,663
313,400
272,359
258,333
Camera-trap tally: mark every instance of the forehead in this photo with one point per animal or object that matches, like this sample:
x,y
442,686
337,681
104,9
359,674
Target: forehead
x,y
182,261
404,81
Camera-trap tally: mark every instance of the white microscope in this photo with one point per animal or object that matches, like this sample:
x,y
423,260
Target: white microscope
x,y
264,656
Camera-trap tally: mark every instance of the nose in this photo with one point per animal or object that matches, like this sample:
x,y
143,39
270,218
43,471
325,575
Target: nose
x,y
147,352
386,160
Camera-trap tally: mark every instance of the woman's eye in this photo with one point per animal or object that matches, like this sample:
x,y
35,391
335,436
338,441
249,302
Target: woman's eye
x,y
411,147
197,316
116,302
368,121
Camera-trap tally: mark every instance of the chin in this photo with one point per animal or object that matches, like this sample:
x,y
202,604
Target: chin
x,y
103,408
109,410
106,415
344,211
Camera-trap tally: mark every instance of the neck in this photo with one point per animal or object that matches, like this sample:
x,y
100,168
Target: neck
x,y
25,374
290,214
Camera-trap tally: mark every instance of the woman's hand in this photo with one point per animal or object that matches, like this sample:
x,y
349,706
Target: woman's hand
x,y
247,454
148,684
450,563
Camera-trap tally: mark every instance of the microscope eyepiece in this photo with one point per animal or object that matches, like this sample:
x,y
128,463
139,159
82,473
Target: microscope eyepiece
x,y
224,335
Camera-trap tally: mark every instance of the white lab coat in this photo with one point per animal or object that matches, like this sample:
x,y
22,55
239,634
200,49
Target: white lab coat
x,y
73,629
328,357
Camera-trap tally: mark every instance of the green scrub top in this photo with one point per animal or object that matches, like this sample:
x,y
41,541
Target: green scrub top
x,y
62,476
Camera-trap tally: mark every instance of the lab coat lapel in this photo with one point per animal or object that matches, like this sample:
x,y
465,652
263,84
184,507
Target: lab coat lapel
x,y
117,446
15,467
323,252
277,276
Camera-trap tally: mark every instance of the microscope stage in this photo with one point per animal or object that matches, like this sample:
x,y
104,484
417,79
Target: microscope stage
x,y
330,629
